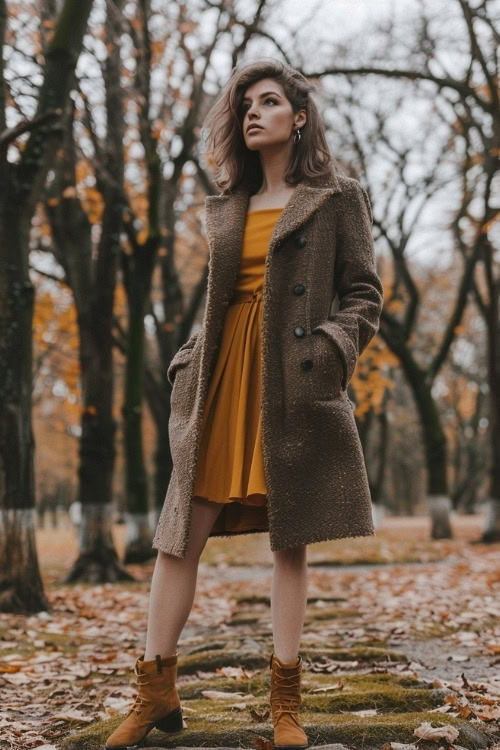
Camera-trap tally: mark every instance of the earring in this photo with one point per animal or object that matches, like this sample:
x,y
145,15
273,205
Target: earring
x,y
296,137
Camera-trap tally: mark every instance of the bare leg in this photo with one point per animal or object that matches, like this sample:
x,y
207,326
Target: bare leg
x,y
288,601
173,584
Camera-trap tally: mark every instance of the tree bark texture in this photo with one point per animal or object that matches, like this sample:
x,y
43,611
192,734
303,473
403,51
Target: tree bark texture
x,y
20,188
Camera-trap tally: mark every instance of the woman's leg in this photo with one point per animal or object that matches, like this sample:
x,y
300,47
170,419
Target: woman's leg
x,y
173,584
288,601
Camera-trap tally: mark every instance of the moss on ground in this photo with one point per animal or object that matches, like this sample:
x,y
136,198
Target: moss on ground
x,y
354,695
329,613
209,660
255,616
372,642
390,699
403,702
62,642
245,618
216,727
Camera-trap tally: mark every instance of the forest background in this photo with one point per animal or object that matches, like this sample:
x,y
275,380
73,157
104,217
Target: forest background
x,y
103,258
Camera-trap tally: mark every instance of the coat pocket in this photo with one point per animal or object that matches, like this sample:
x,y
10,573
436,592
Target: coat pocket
x,y
327,370
182,357
183,392
179,362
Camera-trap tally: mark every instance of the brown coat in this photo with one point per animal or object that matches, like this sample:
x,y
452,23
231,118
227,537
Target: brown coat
x,y
313,461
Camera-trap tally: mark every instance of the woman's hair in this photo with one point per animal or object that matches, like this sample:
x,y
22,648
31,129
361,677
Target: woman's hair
x,y
226,151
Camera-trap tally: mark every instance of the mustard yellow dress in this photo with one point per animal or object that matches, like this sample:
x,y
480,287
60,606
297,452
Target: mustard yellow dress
x,y
230,468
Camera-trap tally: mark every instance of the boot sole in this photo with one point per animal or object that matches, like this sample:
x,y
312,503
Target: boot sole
x,y
172,722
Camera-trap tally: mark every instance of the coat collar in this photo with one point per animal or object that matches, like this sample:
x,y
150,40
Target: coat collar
x,y
225,214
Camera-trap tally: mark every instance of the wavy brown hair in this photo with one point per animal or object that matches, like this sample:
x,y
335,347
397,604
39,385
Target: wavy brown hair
x,y
226,151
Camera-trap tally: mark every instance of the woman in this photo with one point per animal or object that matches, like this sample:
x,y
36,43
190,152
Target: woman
x,y
261,430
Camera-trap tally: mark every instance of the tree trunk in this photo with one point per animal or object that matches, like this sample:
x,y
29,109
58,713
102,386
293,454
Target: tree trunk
x,y
492,527
97,561
439,503
21,587
438,500
138,538
20,188
378,485
138,286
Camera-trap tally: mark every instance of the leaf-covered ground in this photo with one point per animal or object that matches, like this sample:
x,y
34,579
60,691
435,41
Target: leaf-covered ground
x,y
401,645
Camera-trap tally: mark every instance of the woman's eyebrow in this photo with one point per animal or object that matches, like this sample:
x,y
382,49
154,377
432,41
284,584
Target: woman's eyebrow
x,y
247,98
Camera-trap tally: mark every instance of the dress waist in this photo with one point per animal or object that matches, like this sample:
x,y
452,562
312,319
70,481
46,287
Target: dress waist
x,y
246,297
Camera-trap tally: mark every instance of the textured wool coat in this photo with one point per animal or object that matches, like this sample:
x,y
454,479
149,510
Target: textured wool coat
x,y
321,245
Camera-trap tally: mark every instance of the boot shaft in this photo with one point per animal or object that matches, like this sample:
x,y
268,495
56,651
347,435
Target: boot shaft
x,y
285,685
285,702
157,703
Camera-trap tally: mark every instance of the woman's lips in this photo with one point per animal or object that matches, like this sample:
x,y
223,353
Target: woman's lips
x,y
253,128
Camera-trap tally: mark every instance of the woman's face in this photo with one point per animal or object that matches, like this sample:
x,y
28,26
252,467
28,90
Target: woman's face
x,y
266,105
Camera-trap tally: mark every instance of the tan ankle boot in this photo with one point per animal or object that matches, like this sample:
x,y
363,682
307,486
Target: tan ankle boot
x,y
285,704
157,703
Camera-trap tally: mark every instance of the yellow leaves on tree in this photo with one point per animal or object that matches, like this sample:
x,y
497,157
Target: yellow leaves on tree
x,y
91,198
142,236
93,205
157,50
120,310
371,378
466,404
56,354
139,204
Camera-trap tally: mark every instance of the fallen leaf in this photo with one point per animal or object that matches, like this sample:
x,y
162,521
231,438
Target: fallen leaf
x,y
221,695
259,716
488,713
9,668
73,716
427,732
327,688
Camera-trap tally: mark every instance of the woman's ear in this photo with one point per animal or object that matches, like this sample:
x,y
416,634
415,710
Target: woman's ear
x,y
300,118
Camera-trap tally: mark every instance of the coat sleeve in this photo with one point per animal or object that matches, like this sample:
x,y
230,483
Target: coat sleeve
x,y
358,285
182,354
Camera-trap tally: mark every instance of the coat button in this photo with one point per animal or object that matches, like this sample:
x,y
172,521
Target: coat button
x,y
301,240
306,364
299,331
299,289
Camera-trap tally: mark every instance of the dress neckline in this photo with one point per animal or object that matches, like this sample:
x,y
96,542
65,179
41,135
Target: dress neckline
x,y
259,210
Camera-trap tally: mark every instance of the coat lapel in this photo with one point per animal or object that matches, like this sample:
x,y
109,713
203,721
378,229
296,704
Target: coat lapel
x,y
225,217
226,214
304,201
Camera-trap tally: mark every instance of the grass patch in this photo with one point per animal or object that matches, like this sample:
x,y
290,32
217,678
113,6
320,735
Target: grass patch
x,y
209,660
215,726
